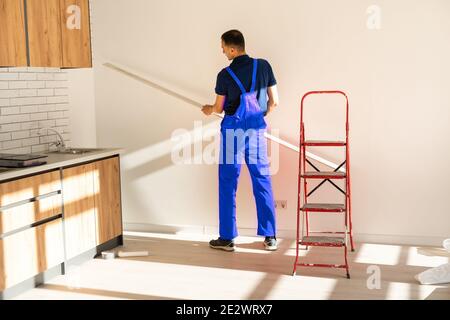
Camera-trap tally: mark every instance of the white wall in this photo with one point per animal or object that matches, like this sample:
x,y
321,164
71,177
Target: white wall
x,y
82,107
397,79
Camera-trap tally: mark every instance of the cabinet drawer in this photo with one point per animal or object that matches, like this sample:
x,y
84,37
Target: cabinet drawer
x,y
28,188
30,252
29,213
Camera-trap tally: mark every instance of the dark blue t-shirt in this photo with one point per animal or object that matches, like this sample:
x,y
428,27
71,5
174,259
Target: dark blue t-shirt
x,y
242,66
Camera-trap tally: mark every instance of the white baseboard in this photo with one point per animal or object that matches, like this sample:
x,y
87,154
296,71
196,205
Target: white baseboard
x,y
285,234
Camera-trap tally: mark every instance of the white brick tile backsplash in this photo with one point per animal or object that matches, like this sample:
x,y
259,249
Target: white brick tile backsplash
x,y
36,84
38,116
31,99
62,107
48,139
5,136
62,122
20,134
18,69
56,84
62,129
23,150
58,99
10,127
18,84
46,92
47,123
29,125
9,93
14,118
12,144
9,110
39,148
45,76
49,69
9,76
37,69
4,102
46,107
28,101
29,109
28,93
30,141
27,76
56,115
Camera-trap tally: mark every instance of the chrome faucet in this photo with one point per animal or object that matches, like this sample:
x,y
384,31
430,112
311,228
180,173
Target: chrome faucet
x,y
61,144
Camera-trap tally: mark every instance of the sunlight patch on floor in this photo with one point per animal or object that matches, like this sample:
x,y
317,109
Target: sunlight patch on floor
x,y
378,254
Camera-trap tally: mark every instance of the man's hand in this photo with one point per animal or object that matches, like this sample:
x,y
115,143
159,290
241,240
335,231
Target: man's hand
x,y
270,108
208,109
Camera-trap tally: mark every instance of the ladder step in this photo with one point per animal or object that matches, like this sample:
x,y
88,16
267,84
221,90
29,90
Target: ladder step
x,y
324,175
324,143
317,241
323,207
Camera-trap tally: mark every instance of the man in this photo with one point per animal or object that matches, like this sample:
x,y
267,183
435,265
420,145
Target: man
x,y
246,92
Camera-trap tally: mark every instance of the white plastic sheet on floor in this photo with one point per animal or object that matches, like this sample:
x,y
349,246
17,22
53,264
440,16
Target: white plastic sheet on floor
x,y
438,275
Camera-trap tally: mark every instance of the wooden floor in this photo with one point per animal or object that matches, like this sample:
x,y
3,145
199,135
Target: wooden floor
x,y
184,267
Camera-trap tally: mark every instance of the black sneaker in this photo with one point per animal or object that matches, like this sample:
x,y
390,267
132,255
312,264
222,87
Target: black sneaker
x,y
227,245
270,243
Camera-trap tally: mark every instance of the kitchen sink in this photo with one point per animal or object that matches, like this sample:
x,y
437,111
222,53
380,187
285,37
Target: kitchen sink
x,y
74,151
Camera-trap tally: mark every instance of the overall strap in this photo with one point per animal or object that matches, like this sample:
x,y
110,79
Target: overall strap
x,y
239,83
255,68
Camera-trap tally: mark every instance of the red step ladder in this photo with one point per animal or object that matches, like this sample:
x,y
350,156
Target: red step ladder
x,y
305,237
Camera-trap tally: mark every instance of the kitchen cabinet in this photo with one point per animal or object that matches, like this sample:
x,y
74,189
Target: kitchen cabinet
x,y
79,209
30,227
92,207
13,51
52,33
26,201
50,217
75,34
107,199
44,33
30,252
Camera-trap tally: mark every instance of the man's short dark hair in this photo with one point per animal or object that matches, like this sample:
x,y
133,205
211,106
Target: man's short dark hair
x,y
234,38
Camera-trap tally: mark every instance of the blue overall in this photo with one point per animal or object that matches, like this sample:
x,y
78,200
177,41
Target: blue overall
x,y
242,137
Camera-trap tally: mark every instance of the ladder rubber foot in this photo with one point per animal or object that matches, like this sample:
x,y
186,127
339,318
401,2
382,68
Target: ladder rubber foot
x,y
348,275
353,250
294,274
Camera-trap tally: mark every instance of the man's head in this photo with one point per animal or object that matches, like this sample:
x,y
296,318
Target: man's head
x,y
233,44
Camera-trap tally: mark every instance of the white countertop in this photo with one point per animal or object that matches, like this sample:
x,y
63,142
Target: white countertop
x,y
55,161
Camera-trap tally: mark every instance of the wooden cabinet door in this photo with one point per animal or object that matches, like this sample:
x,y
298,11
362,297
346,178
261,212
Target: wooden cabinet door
x,y
76,34
108,199
44,33
13,51
28,253
79,209
26,201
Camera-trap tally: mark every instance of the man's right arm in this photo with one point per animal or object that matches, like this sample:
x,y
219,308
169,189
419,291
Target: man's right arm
x,y
273,101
